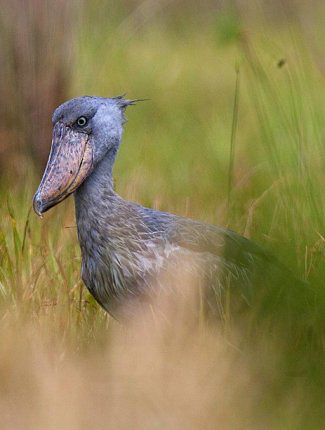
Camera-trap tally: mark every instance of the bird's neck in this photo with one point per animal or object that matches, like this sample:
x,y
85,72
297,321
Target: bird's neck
x,y
99,185
95,197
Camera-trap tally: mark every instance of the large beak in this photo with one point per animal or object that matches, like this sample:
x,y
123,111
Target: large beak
x,y
69,163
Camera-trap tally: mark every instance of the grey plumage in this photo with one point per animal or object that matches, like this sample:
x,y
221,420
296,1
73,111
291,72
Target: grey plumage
x,y
126,247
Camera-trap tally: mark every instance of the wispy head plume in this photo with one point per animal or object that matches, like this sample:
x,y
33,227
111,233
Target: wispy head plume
x,y
124,103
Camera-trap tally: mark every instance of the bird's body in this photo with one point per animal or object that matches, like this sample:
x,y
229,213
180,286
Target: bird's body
x,y
127,249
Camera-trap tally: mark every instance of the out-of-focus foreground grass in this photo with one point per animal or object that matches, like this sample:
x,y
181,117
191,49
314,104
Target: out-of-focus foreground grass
x,y
256,166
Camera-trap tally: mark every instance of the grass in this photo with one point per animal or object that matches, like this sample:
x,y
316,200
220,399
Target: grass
x,y
255,166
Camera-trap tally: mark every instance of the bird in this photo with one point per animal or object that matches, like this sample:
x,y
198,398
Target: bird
x,y
126,248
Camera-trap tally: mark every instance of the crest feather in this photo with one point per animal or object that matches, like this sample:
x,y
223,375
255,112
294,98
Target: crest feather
x,y
124,103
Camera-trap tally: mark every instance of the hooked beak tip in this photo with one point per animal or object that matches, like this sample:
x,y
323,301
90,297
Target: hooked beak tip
x,y
38,205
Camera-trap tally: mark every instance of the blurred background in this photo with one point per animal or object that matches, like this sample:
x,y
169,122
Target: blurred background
x,y
232,134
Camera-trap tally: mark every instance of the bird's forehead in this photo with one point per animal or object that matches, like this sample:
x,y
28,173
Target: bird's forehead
x,y
72,109
81,106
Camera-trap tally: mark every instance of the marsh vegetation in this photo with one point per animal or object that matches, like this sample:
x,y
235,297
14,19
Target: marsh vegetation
x,y
232,134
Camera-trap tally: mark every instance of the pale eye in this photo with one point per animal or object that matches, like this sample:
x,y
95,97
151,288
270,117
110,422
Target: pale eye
x,y
82,121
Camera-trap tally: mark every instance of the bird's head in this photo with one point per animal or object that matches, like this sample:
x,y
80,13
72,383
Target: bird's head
x,y
84,130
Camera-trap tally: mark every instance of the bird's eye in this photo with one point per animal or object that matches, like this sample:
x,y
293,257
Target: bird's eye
x,y
82,121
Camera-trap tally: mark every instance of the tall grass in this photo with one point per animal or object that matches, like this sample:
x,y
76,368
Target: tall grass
x,y
64,363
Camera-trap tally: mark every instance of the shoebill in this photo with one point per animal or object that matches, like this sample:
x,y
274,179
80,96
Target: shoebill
x,y
130,252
